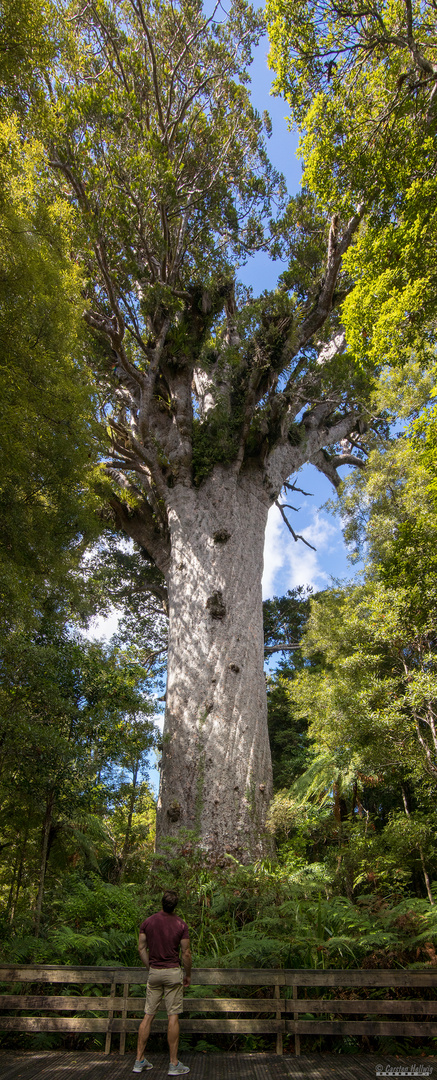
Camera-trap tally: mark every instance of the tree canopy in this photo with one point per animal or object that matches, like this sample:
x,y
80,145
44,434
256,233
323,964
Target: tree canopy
x,y
161,159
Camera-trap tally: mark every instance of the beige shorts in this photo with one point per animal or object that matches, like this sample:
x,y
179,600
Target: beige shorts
x,y
165,983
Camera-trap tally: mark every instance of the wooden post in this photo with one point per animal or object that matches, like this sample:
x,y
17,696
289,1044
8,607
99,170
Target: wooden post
x,y
296,1017
112,993
123,1017
279,1042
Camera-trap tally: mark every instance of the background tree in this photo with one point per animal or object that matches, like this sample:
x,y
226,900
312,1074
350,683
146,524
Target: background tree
x,y
367,689
80,713
285,619
49,444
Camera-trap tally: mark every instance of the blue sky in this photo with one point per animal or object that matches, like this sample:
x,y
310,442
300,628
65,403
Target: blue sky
x,y
260,272
287,563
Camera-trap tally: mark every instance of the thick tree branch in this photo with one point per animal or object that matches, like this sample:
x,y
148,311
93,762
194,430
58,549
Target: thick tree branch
x,y
347,459
328,464
310,436
270,649
139,11
336,249
141,526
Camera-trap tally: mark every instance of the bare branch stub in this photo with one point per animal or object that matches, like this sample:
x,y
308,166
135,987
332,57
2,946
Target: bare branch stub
x,y
293,487
296,536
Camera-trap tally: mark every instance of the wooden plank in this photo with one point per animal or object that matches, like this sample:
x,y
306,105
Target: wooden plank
x,y
360,1005
72,1003
268,1005
224,976
138,975
123,1016
56,974
359,977
53,1023
110,1016
223,1025
55,1065
295,1014
237,977
360,1027
192,1004
277,999
68,1003
85,1024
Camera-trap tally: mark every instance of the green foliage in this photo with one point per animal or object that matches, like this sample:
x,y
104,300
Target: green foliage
x,y
95,905
288,733
361,90
214,441
49,447
29,38
367,688
284,621
376,681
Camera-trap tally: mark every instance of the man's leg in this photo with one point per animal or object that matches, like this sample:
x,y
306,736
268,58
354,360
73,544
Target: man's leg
x,y
143,1035
173,1037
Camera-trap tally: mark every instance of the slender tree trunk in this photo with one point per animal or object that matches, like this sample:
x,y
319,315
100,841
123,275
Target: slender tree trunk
x,y
10,904
426,876
336,808
216,774
19,877
420,850
43,865
126,841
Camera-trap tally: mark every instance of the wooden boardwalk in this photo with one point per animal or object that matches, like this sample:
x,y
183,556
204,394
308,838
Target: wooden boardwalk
x,y
62,1065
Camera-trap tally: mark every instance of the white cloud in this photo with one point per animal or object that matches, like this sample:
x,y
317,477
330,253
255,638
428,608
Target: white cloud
x,y
304,564
104,626
288,563
274,552
158,720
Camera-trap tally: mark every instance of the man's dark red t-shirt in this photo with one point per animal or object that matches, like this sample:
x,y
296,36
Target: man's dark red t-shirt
x,y
164,933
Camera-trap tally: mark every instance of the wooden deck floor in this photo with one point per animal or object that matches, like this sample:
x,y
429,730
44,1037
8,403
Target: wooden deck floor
x,y
54,1065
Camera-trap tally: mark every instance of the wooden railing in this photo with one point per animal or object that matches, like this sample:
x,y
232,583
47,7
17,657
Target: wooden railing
x,y
278,1002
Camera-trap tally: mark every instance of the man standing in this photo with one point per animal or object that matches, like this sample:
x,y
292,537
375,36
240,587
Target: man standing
x,y
158,946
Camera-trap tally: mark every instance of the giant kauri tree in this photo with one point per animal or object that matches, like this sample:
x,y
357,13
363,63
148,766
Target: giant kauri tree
x,y
212,399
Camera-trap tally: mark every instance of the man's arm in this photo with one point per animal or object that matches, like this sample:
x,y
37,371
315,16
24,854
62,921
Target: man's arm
x,y
143,950
186,960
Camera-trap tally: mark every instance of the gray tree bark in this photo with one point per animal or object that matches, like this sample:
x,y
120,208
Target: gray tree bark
x,y
216,764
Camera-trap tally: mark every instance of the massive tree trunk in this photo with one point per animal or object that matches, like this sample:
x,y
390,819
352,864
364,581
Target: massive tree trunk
x,y
216,765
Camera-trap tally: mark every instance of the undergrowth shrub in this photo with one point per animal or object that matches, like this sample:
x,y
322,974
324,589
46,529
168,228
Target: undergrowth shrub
x,y
273,913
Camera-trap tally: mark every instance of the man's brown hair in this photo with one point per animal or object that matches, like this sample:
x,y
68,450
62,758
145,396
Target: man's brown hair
x,y
169,901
